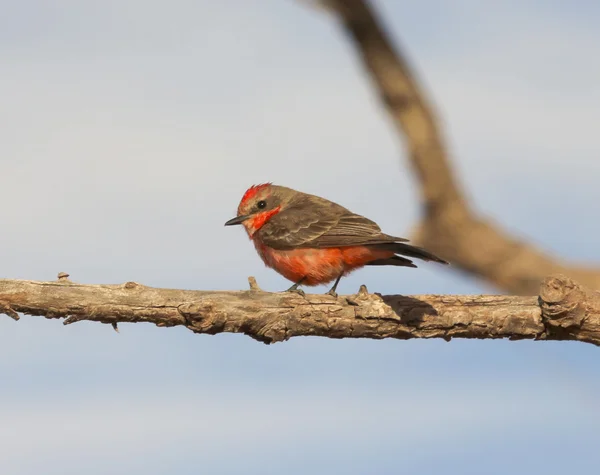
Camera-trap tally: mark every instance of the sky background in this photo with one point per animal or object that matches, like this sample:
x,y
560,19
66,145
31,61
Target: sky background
x,y
129,130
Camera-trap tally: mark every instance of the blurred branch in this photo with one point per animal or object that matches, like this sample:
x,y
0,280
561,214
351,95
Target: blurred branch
x,y
450,228
564,311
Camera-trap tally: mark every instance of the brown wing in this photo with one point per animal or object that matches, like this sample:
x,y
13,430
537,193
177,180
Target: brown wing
x,y
321,225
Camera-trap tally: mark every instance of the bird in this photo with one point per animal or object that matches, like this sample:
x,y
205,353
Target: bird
x,y
311,241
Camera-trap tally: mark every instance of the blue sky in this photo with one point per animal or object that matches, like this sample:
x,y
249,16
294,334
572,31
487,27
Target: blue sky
x,y
129,131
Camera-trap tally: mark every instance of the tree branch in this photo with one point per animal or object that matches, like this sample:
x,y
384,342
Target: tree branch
x,y
564,311
450,228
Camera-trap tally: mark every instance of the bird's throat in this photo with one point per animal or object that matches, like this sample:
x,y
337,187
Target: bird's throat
x,y
257,221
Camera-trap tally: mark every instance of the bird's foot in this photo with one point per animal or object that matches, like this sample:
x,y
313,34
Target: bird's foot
x,y
297,291
294,288
332,291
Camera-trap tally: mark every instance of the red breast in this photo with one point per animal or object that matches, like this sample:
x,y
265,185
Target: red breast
x,y
317,266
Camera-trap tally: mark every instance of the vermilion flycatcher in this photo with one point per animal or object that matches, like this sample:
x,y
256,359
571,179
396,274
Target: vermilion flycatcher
x,y
311,241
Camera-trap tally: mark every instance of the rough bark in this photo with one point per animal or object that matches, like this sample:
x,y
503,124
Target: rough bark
x,y
450,228
563,311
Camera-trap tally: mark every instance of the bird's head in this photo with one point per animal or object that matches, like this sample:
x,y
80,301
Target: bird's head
x,y
259,204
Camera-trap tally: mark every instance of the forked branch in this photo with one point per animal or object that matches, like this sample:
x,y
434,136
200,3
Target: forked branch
x,y
450,228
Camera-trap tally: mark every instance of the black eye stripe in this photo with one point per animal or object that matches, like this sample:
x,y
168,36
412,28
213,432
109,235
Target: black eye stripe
x,y
261,204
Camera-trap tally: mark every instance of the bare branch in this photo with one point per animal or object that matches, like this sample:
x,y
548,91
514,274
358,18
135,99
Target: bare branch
x,y
564,311
449,228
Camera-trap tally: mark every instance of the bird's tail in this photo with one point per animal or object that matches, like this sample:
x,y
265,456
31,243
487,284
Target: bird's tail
x,y
392,261
405,250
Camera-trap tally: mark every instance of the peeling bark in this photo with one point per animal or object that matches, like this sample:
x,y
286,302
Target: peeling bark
x,y
563,311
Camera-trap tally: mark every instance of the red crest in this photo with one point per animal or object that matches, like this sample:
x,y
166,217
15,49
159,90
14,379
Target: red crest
x,y
252,191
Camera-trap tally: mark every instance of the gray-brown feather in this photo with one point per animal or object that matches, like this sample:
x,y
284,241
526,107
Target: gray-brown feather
x,y
313,222
393,261
410,251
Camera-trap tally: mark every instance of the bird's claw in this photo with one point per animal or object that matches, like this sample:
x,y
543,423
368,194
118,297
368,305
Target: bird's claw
x,y
333,293
297,291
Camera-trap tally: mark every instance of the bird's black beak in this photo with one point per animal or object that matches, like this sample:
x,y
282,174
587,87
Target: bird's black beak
x,y
237,220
